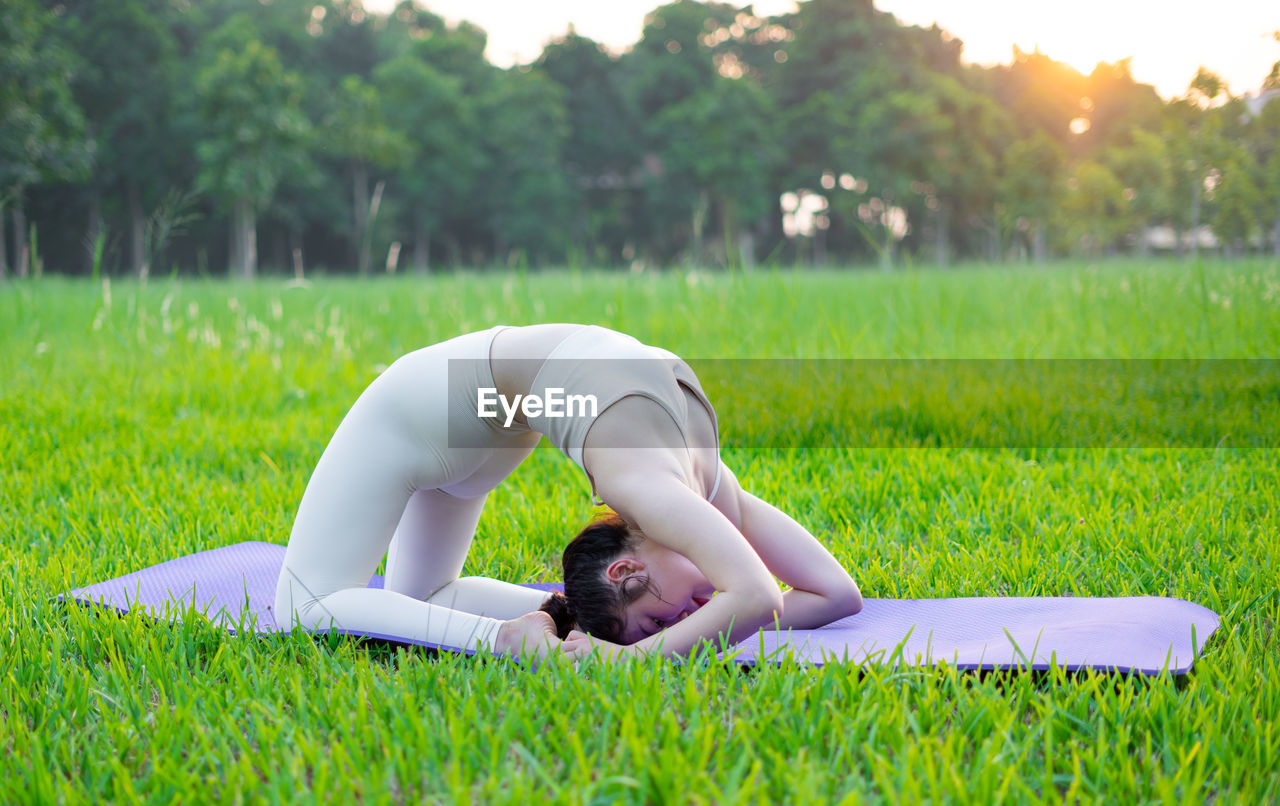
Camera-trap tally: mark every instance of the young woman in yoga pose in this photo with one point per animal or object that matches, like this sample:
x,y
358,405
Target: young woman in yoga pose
x,y
688,555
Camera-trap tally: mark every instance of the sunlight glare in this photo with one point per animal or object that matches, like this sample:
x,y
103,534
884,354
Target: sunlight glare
x,y
1166,41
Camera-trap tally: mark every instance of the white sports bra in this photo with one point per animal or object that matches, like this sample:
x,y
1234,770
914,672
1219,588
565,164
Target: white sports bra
x,y
610,366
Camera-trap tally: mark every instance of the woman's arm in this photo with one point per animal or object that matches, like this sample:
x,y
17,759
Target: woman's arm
x,y
821,589
658,501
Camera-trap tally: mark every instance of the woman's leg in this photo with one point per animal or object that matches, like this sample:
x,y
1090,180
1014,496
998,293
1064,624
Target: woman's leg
x,y
431,544
345,522
354,501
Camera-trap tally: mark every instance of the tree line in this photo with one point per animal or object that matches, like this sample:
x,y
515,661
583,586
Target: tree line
x,y
145,136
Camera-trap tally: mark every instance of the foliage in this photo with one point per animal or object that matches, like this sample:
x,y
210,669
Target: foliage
x,y
1238,198
441,159
41,128
1031,183
710,150
603,154
252,129
1142,169
285,119
526,192
1095,202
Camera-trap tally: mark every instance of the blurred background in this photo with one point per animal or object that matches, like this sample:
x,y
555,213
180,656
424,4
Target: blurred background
x,y
207,137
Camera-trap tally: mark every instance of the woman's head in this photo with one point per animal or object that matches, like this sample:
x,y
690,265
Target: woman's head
x,y
621,587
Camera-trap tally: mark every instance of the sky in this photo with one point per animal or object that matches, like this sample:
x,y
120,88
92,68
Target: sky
x,y
1167,39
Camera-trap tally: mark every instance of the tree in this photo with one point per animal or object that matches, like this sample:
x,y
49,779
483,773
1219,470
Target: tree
x,y
406,27
1237,199
820,90
442,158
253,133
928,144
1264,141
1143,169
1045,94
949,141
1113,107
41,129
1029,188
129,112
672,62
890,108
696,134
358,132
728,164
1193,134
526,193
1206,87
346,42
1093,207
603,154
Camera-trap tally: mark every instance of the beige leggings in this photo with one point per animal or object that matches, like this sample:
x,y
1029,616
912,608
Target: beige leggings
x,y
389,482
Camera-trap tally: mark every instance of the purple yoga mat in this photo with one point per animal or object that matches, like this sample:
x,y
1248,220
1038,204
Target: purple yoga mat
x,y
234,587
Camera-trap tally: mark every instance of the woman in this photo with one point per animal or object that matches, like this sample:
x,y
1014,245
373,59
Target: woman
x,y
408,470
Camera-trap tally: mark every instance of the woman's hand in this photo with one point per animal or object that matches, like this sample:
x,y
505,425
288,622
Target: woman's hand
x,y
662,506
579,645
532,635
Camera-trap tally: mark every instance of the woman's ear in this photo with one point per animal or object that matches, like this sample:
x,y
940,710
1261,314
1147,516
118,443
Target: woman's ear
x,y
622,568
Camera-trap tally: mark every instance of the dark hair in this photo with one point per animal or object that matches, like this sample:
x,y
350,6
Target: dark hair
x,y
590,601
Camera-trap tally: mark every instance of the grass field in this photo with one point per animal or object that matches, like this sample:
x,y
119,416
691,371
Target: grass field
x,y
141,423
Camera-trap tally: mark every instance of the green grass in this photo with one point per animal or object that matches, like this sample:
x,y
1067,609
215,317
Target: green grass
x,y
141,423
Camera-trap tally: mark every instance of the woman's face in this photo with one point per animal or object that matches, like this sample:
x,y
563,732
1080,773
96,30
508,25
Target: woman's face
x,y
676,589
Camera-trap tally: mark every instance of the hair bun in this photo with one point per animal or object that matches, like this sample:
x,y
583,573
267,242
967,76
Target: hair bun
x,y
561,611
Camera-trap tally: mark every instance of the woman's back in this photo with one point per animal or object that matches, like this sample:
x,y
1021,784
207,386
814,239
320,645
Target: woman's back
x,y
649,399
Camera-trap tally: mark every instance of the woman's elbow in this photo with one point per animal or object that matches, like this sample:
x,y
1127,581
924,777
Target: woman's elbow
x,y
851,601
843,599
